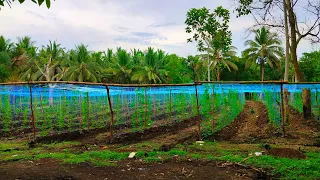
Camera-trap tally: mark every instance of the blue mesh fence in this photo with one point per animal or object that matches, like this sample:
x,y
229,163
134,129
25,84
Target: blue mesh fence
x,y
60,108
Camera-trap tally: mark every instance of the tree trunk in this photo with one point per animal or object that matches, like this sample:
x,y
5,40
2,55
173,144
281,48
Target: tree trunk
x,y
218,74
286,71
262,69
213,74
298,73
306,94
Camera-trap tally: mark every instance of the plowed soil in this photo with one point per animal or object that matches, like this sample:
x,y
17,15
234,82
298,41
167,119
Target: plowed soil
x,y
129,169
251,124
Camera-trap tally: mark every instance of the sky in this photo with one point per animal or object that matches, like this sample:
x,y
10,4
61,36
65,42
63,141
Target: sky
x,y
103,24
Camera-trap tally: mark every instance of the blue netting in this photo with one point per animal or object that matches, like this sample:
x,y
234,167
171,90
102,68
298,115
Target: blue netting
x,y
68,107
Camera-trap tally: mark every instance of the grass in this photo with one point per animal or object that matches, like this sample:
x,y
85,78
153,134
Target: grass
x,y
8,146
210,151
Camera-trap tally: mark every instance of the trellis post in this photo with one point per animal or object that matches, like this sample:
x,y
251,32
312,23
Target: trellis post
x,y
111,110
282,109
33,120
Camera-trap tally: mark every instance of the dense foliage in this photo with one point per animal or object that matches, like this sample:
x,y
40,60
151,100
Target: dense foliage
x,y
23,61
310,66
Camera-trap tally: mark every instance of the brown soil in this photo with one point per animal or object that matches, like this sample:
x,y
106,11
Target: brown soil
x,y
286,153
251,124
300,128
129,169
185,127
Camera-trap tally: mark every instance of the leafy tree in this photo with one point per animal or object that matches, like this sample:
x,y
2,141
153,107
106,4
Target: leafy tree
x,y
266,47
197,67
178,70
310,66
209,29
39,2
243,74
263,11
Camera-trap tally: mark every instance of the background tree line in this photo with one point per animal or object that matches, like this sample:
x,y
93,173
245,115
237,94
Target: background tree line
x,y
23,61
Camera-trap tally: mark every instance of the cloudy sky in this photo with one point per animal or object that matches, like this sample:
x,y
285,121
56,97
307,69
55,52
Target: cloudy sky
x,y
103,24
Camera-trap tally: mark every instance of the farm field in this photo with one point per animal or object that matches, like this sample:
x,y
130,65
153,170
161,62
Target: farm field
x,y
161,125
168,90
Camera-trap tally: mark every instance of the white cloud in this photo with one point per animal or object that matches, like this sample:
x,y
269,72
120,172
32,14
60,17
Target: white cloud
x,y
106,24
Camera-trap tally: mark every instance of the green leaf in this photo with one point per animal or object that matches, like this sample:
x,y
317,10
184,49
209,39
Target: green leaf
x,y
34,1
48,3
1,3
21,1
40,2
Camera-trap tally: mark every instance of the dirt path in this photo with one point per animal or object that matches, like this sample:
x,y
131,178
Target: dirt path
x,y
250,125
129,169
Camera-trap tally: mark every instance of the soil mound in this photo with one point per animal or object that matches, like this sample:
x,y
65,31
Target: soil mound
x,y
251,125
286,153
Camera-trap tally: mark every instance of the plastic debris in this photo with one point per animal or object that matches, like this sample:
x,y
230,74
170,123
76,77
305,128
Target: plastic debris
x,y
200,142
131,155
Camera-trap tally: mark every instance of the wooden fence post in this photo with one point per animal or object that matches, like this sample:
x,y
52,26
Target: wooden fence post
x,y
146,107
88,110
33,121
170,107
282,110
212,108
317,102
198,111
111,110
43,113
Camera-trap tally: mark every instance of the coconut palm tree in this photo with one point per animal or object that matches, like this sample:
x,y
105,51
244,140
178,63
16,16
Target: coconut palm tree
x,y
5,58
6,48
24,50
265,48
137,56
121,66
81,66
153,69
217,59
47,66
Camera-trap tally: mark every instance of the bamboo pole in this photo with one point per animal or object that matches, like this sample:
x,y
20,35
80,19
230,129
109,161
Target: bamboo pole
x,y
88,110
128,100
170,107
317,101
155,85
91,83
33,121
212,108
81,116
43,112
198,111
282,110
136,109
146,107
111,110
